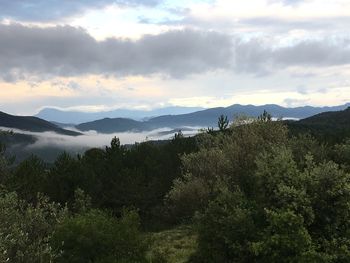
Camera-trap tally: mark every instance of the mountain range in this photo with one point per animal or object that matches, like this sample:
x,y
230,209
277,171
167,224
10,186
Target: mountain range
x,y
76,117
331,126
203,118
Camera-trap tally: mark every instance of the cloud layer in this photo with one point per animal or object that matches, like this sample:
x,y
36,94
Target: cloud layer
x,y
143,53
259,56
52,10
69,51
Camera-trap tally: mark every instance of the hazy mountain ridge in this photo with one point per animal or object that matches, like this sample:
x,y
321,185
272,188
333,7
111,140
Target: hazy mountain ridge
x,y
76,117
329,125
33,124
203,118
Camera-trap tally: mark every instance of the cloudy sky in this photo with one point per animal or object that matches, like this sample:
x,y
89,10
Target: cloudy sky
x,y
94,55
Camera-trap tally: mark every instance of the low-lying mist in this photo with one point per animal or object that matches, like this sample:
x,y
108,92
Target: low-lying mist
x,y
48,145
90,139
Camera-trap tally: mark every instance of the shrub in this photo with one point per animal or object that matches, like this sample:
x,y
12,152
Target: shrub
x,y
96,236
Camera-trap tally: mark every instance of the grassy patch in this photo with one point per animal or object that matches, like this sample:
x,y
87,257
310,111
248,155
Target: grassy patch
x,y
173,246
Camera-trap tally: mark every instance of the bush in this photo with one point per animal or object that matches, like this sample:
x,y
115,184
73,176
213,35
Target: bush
x,y
25,229
98,237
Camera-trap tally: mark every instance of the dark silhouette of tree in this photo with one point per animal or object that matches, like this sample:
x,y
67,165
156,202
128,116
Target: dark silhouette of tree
x,y
223,122
265,117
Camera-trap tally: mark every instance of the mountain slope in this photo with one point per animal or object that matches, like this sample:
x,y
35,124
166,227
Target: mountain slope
x,y
337,118
32,124
329,126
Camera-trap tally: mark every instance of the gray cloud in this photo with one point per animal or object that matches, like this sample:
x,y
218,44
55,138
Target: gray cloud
x,y
314,53
259,56
52,10
68,51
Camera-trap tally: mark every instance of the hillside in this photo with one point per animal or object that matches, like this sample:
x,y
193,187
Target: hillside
x,y
108,125
32,124
336,118
329,126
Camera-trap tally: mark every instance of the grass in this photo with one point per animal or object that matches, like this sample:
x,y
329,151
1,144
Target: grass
x,y
173,246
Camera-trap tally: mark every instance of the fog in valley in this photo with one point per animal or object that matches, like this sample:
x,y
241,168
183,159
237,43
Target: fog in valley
x,y
92,139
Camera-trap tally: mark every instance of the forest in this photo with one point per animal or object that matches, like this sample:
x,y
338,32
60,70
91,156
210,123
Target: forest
x,y
254,190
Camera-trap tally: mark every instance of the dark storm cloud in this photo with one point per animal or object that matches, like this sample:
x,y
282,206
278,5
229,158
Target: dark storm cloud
x,y
51,10
68,51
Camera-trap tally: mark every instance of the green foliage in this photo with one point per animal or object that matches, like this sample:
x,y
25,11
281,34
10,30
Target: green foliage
x,y
187,195
5,162
341,154
294,216
285,239
330,195
82,202
64,178
29,179
95,236
280,185
225,157
255,191
305,144
225,229
25,229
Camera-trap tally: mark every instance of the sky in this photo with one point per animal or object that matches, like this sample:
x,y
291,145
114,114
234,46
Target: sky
x,y
91,55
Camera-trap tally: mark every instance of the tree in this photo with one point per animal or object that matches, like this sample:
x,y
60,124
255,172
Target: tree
x,y
5,162
228,157
285,240
64,178
29,179
265,116
341,154
191,193
223,122
226,229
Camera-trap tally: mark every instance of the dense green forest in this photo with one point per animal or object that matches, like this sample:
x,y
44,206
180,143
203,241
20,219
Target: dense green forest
x,y
255,191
